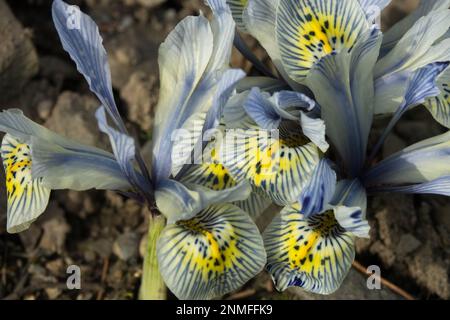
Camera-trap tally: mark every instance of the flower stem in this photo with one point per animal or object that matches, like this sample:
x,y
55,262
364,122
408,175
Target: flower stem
x,y
152,285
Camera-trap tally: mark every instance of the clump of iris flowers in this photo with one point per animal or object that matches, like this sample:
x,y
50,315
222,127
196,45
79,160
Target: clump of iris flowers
x,y
226,146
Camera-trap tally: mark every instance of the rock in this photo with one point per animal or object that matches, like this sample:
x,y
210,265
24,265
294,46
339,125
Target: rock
x,y
103,247
407,244
141,95
430,272
74,117
44,108
18,57
150,3
55,230
53,293
126,246
56,267
136,48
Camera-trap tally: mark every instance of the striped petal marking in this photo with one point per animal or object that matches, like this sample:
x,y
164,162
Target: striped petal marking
x,y
308,30
210,255
313,253
26,197
439,106
215,176
237,8
280,166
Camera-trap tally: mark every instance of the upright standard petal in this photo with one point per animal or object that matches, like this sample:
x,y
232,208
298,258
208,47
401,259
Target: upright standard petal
x,y
420,163
62,163
394,34
193,61
27,198
211,254
439,106
308,30
313,253
80,37
418,47
344,88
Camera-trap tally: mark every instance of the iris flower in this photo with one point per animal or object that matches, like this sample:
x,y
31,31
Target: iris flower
x,y
209,246
335,53
226,146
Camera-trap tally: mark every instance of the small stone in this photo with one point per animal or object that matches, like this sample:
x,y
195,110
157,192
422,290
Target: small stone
x,y
44,108
141,95
56,267
126,246
55,231
18,58
53,293
407,244
73,117
150,3
103,247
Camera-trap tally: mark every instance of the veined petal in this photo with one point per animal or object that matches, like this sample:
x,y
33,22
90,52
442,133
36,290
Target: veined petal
x,y
268,112
413,88
308,30
211,254
261,110
418,48
234,115
27,198
350,206
215,176
260,21
440,106
193,60
80,37
313,253
255,204
373,8
314,128
237,9
317,194
193,138
266,84
344,88
183,58
439,186
124,150
182,201
63,163
422,162
279,163
394,34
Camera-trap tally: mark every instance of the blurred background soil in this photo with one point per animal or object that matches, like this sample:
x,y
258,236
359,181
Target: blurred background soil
x,y
102,232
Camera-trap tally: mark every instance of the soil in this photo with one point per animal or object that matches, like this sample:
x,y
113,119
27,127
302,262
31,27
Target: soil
x,y
102,232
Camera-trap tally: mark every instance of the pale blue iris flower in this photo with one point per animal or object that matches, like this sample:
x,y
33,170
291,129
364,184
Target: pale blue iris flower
x,y
209,246
336,72
335,52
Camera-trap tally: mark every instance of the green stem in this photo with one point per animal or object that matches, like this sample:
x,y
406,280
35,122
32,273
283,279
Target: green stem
x,y
152,285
